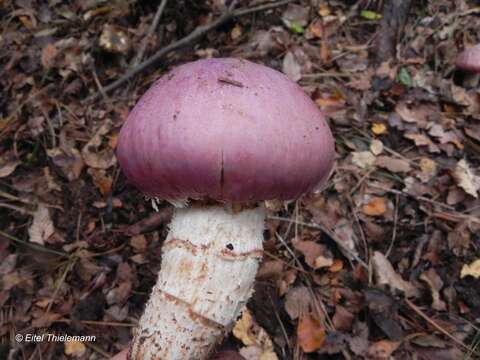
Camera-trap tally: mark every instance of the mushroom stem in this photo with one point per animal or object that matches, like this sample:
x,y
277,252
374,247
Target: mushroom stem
x,y
209,262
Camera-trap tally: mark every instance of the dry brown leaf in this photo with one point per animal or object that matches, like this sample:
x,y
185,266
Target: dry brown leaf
x,y
376,206
310,333
422,140
435,283
45,320
74,348
392,164
49,53
95,158
363,159
466,179
376,147
236,32
252,335
382,350
344,232
386,275
138,242
42,227
472,269
7,166
243,329
291,67
297,301
69,160
11,280
415,115
316,255
342,319
428,169
101,180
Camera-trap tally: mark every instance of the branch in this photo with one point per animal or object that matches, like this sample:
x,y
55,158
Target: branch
x,y
154,25
195,35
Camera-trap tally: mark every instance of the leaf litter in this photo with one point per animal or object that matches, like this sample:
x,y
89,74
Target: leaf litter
x,y
397,223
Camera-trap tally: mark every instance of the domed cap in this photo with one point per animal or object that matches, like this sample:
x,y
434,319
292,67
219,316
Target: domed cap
x,y
469,59
225,129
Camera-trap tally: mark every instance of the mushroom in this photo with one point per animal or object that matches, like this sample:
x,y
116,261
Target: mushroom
x,y
469,61
216,137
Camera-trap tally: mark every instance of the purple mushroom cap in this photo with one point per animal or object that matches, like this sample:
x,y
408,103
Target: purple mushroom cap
x,y
469,59
225,129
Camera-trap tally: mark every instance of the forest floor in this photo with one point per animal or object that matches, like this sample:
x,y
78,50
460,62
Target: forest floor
x,y
384,263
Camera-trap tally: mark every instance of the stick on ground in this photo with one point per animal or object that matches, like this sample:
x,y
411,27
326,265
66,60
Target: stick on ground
x,y
195,35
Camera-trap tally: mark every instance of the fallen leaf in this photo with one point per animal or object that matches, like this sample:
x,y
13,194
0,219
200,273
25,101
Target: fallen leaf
x,y
392,164
138,242
376,206
376,147
74,348
311,335
428,341
342,319
252,335
45,320
363,159
68,160
344,231
101,180
455,196
42,227
95,158
316,255
386,275
382,350
236,32
113,39
466,179
8,264
8,166
370,15
336,266
255,352
422,140
379,128
412,115
291,67
472,269
49,53
243,329
428,169
297,301
435,283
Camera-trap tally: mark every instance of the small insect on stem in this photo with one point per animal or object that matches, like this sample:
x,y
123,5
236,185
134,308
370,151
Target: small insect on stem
x,y
230,82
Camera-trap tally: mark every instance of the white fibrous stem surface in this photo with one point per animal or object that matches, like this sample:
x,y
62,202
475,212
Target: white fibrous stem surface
x,y
209,262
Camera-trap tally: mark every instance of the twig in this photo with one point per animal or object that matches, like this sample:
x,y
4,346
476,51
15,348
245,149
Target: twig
x,y
421,198
329,232
284,331
16,208
395,221
196,34
32,245
151,31
435,325
360,229
68,268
